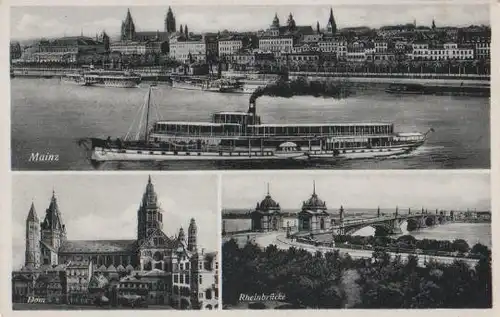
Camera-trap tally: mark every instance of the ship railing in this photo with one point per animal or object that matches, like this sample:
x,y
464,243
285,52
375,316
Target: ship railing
x,y
260,135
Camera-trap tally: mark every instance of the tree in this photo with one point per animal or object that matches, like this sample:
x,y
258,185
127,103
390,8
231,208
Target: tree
x,y
460,245
480,249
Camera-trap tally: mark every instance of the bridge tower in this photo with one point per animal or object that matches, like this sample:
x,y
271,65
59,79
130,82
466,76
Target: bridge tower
x,y
452,215
341,223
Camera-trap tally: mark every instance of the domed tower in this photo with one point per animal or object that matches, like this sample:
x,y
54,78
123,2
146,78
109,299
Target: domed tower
x,y
290,23
149,215
275,26
314,215
32,255
192,235
128,28
267,215
53,228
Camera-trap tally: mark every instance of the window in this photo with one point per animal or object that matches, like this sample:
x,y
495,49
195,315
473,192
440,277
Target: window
x,y
208,294
200,279
176,278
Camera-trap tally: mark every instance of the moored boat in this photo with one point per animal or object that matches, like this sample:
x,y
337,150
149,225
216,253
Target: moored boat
x,y
233,136
204,84
122,79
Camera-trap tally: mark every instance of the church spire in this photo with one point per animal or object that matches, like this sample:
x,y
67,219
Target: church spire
x,y
32,216
331,26
32,255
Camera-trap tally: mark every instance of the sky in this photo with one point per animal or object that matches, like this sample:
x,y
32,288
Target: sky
x,y
43,21
96,207
457,190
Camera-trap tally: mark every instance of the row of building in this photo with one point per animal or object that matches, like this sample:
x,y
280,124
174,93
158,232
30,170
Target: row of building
x,y
154,268
283,42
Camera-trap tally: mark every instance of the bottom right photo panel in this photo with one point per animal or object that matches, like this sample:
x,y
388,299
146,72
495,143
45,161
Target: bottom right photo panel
x,y
381,239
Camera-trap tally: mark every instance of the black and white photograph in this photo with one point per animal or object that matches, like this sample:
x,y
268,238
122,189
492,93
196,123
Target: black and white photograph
x,y
87,242
409,240
233,87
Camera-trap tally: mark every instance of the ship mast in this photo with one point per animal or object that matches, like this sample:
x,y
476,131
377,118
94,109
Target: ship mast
x,y
147,116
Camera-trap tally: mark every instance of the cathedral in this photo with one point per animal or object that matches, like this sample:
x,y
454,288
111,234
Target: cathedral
x,y
129,32
173,269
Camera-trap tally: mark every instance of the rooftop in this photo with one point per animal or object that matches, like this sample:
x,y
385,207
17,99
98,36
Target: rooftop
x,y
98,246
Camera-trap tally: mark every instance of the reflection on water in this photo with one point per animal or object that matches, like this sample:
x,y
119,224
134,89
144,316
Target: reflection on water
x,y
49,117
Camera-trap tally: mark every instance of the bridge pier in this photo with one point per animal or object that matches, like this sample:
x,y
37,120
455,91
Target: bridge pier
x,y
395,226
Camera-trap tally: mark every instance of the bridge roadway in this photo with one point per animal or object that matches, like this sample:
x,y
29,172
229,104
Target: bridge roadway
x,y
281,242
389,223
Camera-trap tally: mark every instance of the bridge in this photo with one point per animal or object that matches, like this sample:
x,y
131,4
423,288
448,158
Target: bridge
x,y
390,224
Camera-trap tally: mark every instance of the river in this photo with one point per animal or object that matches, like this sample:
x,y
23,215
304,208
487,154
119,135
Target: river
x,y
48,117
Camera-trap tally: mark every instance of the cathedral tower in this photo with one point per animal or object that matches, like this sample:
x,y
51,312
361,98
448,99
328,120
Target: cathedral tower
x,y
192,233
32,255
170,21
331,26
182,236
149,215
128,28
53,228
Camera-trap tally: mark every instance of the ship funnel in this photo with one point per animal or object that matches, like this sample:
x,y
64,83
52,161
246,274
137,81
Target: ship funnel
x,y
251,108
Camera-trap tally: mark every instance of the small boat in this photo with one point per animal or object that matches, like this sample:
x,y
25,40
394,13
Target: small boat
x,y
406,89
204,84
233,136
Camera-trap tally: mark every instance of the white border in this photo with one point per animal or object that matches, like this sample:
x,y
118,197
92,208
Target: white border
x,y
6,174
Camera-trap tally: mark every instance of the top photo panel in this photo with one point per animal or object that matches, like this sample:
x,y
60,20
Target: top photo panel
x,y
251,87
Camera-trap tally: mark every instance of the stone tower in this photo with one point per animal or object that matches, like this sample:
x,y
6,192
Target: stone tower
x,y
170,21
53,228
128,28
32,255
331,26
182,236
192,235
149,215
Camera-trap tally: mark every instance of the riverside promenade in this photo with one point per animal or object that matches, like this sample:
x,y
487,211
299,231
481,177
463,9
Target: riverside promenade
x,y
281,242
378,78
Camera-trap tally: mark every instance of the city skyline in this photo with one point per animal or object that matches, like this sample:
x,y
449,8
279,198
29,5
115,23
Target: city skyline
x,y
100,208
37,22
449,191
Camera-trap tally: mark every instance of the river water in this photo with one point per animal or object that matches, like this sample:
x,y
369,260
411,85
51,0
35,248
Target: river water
x,y
48,117
471,232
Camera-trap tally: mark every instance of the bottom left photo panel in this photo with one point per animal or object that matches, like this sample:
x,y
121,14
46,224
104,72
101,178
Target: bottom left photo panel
x,y
115,241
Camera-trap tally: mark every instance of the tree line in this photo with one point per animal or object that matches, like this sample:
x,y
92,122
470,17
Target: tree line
x,y
332,280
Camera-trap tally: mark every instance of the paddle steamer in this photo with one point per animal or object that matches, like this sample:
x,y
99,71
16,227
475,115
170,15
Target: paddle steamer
x,y
233,136
121,79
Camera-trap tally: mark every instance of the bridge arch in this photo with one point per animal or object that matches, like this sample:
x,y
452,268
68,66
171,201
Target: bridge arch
x,y
412,224
382,227
430,221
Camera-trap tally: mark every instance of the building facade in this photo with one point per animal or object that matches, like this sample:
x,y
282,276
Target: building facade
x,y
267,215
314,215
86,271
